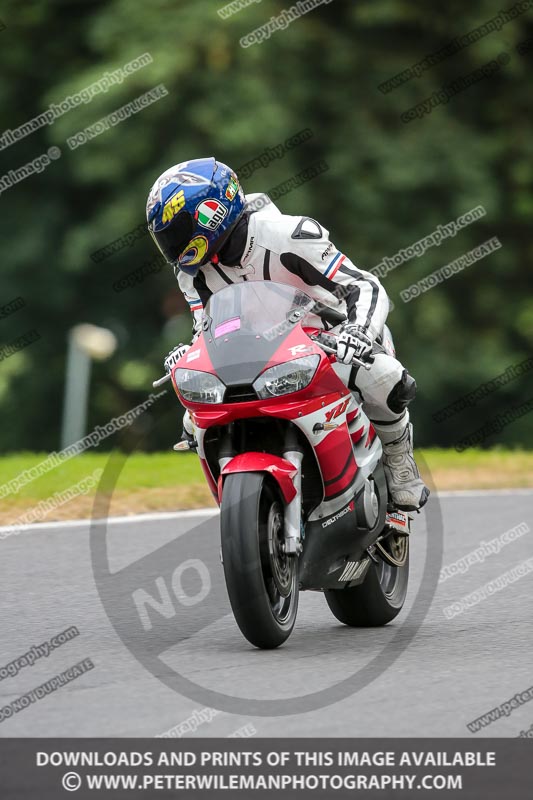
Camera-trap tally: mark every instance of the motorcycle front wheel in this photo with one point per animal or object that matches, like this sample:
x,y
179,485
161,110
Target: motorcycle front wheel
x,y
262,581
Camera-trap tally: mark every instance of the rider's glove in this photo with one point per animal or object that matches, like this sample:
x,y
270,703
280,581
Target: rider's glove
x,y
174,356
353,342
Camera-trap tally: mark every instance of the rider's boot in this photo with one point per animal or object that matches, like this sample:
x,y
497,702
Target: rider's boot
x,y
407,489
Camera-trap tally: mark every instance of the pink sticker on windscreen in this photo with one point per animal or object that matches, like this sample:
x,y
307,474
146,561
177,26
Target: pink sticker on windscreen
x,y
228,326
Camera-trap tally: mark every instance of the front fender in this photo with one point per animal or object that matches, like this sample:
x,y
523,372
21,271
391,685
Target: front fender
x,y
282,471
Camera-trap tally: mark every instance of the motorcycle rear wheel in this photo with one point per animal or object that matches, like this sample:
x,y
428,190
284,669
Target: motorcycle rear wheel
x,y
380,598
262,581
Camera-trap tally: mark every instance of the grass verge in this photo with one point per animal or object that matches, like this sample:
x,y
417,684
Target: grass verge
x,y
172,481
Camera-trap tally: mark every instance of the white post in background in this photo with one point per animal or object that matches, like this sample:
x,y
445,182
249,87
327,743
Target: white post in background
x,y
85,342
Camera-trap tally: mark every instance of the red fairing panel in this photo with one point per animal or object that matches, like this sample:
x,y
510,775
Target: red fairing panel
x,y
325,388
357,435
371,435
204,416
295,345
280,469
337,462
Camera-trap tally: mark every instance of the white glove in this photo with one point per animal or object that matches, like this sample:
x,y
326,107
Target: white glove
x,y
174,356
353,342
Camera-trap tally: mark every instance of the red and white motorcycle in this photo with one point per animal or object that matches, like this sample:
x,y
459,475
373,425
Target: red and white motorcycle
x,y
293,462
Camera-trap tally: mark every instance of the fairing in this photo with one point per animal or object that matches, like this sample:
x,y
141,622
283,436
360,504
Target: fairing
x,y
248,328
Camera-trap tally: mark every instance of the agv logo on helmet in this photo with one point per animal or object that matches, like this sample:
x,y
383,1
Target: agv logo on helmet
x,y
211,213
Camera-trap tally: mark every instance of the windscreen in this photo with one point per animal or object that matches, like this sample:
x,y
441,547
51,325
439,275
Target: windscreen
x,y
247,322
258,307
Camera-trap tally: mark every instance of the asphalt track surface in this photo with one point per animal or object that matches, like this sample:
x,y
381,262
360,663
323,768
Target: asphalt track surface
x,y
438,673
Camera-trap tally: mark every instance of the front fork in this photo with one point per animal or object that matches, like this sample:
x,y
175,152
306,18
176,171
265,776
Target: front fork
x,y
293,511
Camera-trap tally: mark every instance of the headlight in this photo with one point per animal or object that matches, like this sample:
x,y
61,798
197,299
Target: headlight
x,y
199,387
286,378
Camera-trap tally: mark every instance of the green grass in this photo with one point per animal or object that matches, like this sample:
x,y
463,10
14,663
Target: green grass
x,y
478,469
169,481
160,470
141,471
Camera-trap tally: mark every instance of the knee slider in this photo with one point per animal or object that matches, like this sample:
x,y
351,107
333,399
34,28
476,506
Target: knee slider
x,y
402,393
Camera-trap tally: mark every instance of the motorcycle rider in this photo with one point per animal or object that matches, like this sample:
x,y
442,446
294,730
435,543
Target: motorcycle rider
x,y
212,236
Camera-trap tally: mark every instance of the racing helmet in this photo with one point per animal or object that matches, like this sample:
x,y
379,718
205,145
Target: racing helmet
x,y
191,210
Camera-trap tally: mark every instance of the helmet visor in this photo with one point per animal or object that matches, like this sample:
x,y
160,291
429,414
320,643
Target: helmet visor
x,y
174,238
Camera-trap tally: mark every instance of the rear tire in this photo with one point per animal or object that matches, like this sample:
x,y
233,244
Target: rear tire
x,y
262,582
380,598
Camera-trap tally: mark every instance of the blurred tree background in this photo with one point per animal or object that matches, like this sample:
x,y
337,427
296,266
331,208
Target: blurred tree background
x,y
388,184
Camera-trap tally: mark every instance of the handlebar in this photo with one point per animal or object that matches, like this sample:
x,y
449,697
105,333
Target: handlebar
x,y
332,349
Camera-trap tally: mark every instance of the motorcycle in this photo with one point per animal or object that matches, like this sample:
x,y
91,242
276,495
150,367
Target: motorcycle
x,y
293,462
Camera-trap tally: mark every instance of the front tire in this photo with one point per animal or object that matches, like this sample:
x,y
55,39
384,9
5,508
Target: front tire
x,y
380,598
262,581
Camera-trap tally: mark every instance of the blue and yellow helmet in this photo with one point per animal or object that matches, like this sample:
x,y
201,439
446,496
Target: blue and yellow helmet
x,y
192,209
